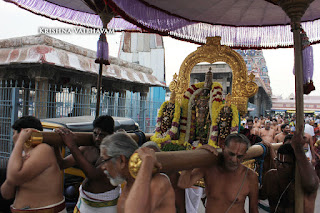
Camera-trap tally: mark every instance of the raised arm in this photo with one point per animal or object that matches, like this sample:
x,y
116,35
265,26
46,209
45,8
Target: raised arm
x,y
20,171
309,179
66,162
189,177
142,199
77,156
272,154
254,192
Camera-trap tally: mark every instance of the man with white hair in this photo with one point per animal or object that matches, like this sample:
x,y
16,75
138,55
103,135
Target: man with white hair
x,y
267,134
151,193
308,128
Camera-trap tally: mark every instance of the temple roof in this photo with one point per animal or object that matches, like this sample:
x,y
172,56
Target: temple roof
x,y
44,49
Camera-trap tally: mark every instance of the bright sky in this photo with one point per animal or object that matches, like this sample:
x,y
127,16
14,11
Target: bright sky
x,y
16,22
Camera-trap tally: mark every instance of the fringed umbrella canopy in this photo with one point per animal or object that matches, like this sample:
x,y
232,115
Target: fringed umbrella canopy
x,y
76,12
252,24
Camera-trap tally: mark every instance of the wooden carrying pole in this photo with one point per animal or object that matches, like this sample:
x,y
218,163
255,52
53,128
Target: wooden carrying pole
x,y
184,160
81,138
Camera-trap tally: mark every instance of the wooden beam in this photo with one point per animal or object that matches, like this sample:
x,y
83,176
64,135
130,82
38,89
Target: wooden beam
x,y
82,138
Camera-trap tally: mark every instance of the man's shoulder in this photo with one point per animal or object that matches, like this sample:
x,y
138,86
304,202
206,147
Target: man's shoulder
x,y
271,175
44,151
161,177
251,174
43,147
160,184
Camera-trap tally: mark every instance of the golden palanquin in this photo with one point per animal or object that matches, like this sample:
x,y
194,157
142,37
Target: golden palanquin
x,y
198,114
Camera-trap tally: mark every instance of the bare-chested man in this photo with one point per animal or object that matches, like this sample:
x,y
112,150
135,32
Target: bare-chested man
x,y
154,193
262,121
275,126
228,182
180,194
96,192
279,184
267,134
253,130
33,174
285,128
256,123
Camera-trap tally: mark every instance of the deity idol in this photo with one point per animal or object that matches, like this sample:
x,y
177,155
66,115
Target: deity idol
x,y
201,113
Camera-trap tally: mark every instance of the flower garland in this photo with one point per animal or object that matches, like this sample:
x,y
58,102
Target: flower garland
x,y
234,124
185,125
160,137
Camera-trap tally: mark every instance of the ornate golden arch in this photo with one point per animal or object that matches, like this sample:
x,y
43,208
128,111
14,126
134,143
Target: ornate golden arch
x,y
243,86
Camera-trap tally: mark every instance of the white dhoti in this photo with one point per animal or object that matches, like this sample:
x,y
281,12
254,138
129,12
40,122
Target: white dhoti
x,y
193,198
97,202
308,153
53,208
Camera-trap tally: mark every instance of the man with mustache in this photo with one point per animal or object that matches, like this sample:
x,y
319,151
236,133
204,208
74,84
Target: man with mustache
x,y
152,193
96,192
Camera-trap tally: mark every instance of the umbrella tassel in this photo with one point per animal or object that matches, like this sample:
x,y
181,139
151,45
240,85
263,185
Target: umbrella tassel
x,y
102,50
307,63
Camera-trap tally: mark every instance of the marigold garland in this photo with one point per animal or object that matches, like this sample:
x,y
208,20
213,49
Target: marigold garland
x,y
159,137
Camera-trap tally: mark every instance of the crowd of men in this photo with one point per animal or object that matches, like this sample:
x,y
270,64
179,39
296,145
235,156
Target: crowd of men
x,y
33,176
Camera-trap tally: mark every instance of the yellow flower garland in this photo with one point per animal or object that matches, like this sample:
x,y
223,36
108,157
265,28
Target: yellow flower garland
x,y
234,123
185,110
176,118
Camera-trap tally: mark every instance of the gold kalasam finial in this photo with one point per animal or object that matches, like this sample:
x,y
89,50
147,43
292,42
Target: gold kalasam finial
x,y
208,79
228,100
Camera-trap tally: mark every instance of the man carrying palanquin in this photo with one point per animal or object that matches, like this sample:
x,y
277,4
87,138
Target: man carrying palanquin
x,y
96,192
227,182
33,174
151,193
279,184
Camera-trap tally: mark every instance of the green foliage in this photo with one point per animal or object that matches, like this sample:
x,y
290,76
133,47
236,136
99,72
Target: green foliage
x,y
172,147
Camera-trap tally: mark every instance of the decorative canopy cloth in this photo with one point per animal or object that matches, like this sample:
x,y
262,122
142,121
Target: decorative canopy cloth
x,y
241,24
73,12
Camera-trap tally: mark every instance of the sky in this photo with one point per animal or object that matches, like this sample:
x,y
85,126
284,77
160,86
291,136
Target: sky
x,y
16,22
